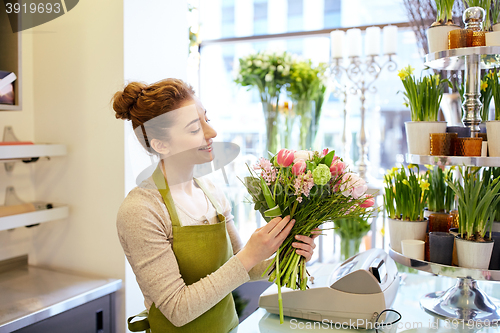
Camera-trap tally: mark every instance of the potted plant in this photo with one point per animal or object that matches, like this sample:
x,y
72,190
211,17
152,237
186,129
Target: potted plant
x,y
493,126
423,96
306,90
440,199
478,198
495,13
437,34
351,232
269,73
404,201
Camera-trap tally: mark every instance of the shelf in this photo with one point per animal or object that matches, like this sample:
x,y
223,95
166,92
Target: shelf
x,y
16,152
454,160
454,59
450,271
39,216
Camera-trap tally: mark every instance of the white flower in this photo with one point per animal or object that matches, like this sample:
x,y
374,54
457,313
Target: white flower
x,y
269,77
272,68
285,73
280,68
303,155
353,185
257,63
249,63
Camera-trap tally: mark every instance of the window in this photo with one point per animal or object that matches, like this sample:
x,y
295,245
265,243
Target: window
x,y
236,112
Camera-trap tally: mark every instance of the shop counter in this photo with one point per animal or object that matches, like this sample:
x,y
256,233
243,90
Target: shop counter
x,y
34,299
414,319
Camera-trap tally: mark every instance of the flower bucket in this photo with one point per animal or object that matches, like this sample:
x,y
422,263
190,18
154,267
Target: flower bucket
x,y
400,230
437,37
349,247
418,135
474,254
493,131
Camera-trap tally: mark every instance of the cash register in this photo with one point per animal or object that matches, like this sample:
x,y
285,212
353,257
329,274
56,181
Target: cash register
x,y
356,291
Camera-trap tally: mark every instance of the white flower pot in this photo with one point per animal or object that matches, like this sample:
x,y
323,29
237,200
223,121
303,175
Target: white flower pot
x,y
418,135
400,230
493,131
496,27
437,37
473,254
493,38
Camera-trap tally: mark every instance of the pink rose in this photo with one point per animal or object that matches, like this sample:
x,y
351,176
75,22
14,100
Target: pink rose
x,y
337,167
353,185
285,157
369,202
299,167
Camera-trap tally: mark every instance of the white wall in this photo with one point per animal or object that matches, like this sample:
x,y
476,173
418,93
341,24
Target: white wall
x,y
77,66
17,242
155,47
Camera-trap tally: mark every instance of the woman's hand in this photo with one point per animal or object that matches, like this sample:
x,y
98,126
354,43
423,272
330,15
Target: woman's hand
x,y
306,245
265,241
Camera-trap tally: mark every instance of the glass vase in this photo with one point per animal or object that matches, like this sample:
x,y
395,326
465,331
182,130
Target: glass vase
x,y
349,247
271,116
287,121
305,110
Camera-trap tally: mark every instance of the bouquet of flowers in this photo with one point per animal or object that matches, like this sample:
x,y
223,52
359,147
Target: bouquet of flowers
x,y
311,187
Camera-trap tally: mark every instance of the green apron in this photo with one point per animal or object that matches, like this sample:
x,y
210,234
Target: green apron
x,y
200,250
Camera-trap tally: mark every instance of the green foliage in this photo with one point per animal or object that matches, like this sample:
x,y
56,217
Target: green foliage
x,y
424,95
405,194
444,10
478,198
352,228
441,197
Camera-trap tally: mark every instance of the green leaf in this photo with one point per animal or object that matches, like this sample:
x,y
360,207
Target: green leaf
x,y
273,212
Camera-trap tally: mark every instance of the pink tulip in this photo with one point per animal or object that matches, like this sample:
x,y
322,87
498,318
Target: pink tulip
x,y
369,202
337,167
284,157
299,167
325,151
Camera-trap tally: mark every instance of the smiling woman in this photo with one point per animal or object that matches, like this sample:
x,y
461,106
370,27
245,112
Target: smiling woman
x,y
177,231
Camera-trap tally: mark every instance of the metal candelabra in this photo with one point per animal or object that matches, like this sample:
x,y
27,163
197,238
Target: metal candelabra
x,y
362,75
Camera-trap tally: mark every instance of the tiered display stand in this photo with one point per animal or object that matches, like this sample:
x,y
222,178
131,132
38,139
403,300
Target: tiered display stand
x,y
464,301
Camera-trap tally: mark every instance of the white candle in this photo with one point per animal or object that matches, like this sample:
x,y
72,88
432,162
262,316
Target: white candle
x,y
353,37
372,41
337,43
390,39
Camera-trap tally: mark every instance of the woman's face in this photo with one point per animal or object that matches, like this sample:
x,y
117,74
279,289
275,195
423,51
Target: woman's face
x,y
190,139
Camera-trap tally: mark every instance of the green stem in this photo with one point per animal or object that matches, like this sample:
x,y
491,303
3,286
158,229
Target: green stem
x,y
280,300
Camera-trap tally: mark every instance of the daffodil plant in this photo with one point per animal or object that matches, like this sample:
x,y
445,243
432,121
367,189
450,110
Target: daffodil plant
x,y
444,9
495,91
405,193
478,198
489,89
424,95
441,197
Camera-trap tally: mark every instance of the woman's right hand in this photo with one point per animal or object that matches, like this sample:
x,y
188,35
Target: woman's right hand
x,y
265,241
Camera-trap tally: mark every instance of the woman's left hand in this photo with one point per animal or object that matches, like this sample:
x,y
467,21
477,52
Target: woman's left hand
x,y
306,245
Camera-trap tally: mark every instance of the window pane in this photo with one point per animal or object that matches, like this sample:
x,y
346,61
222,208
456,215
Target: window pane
x,y
257,17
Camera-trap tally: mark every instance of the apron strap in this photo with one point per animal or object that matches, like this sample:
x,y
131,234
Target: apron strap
x,y
162,185
139,325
